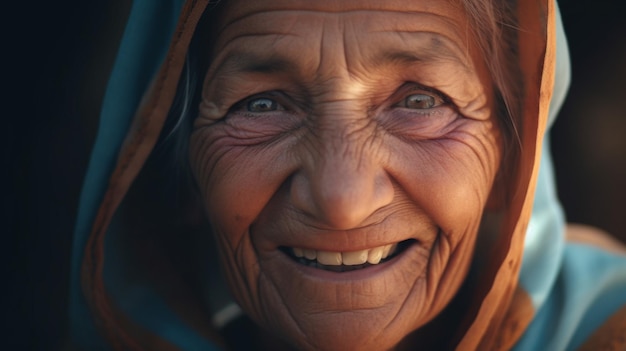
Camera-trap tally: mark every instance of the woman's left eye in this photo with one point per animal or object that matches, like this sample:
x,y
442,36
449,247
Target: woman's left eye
x,y
420,102
262,105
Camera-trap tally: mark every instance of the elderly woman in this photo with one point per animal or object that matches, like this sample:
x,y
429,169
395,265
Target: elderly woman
x,y
374,176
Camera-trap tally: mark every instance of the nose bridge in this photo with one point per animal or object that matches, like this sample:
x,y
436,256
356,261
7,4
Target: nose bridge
x,y
346,144
344,182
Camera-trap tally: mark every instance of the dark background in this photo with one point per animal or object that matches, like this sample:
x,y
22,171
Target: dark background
x,y
56,60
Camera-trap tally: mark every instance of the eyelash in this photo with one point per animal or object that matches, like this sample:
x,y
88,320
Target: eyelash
x,y
429,91
242,105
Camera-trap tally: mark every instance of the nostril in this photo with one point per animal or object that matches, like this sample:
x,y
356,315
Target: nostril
x,y
341,190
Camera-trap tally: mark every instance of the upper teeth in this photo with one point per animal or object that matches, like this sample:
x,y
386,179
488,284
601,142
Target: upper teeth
x,y
349,258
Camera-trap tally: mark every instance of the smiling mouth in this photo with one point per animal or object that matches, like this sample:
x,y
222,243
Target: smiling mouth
x,y
335,261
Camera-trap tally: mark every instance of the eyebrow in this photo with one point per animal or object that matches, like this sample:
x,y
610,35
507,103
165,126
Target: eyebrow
x,y
257,64
437,50
239,62
249,62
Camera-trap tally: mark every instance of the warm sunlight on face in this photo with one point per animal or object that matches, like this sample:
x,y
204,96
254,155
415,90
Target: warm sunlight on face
x,y
345,151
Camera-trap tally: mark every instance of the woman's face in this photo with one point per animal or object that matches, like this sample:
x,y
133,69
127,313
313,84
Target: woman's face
x,y
345,151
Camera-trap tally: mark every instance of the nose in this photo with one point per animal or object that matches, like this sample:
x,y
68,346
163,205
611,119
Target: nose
x,y
342,189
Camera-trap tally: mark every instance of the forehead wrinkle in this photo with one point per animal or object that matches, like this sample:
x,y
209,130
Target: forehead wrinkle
x,y
405,16
293,10
446,45
439,47
415,44
329,48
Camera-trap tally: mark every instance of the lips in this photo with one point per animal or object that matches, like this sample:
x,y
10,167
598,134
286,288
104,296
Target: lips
x,y
337,261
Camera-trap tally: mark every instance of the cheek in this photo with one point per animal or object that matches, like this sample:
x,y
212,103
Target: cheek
x,y
236,184
217,167
236,180
450,178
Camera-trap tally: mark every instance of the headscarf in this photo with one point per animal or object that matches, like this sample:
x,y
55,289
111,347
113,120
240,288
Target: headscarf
x,y
535,293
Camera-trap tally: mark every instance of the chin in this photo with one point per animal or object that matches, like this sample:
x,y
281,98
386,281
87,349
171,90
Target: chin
x,y
314,307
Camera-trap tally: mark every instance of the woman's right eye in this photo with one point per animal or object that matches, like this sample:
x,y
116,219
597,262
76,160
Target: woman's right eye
x,y
263,115
260,104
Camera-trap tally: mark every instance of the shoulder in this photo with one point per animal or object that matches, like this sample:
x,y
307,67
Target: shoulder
x,y
586,307
602,261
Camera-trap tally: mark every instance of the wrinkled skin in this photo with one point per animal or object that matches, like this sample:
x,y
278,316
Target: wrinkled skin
x,y
341,126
